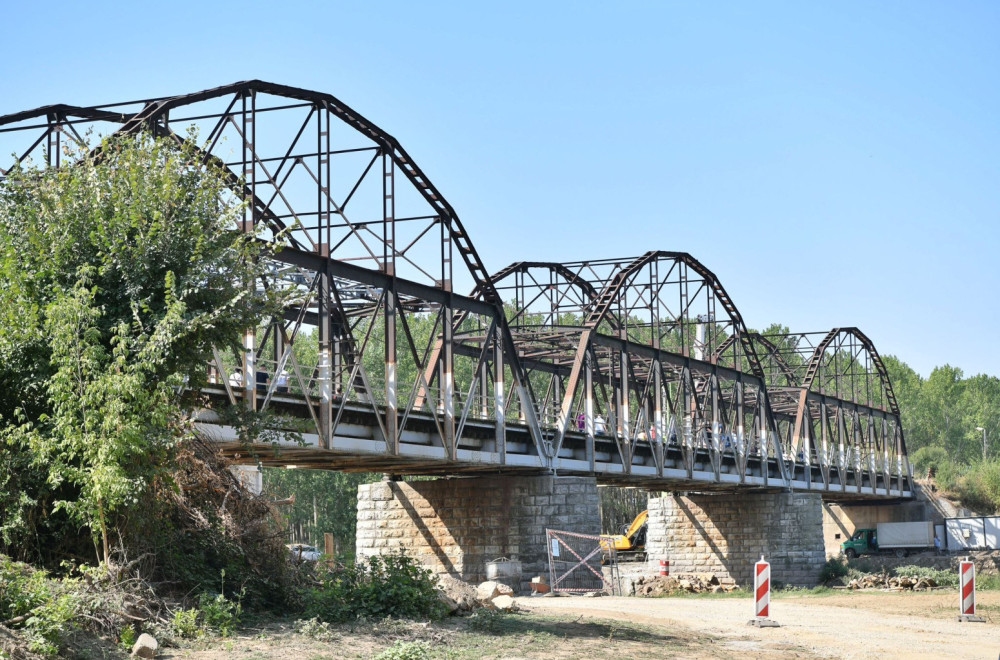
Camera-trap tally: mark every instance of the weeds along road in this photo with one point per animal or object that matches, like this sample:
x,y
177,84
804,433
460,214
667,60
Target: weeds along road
x,y
841,625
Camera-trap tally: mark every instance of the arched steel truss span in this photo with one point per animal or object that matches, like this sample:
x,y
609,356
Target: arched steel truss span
x,y
639,371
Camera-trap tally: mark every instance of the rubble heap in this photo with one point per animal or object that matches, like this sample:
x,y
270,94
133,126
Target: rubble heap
x,y
462,597
883,581
658,585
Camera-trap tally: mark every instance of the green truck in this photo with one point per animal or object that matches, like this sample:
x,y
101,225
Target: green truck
x,y
897,538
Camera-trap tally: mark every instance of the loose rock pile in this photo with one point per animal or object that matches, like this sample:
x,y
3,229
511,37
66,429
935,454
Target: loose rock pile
x,y
462,597
883,581
658,585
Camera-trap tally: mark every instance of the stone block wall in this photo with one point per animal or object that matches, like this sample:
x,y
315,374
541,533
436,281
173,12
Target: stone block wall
x,y
725,534
457,526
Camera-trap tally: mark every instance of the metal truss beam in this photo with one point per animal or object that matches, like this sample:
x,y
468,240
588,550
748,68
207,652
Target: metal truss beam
x,y
639,371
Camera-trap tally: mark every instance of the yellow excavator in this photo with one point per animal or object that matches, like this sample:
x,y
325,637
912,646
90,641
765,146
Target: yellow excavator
x,y
630,545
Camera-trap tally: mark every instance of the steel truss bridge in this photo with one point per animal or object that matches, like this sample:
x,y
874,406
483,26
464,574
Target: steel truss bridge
x,y
639,371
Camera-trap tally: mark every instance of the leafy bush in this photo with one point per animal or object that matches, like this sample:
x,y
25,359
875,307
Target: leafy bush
x,y
943,578
214,614
42,608
833,569
127,638
979,487
316,629
383,586
186,624
22,588
219,614
406,651
487,621
929,458
988,582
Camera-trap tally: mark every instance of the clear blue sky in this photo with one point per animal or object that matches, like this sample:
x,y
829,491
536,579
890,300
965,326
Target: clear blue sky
x,y
834,165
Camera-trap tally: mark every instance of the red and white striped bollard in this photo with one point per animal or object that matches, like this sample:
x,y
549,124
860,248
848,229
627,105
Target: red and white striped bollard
x,y
967,592
762,595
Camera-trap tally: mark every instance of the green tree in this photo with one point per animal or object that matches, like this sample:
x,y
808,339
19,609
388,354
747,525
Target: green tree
x,y
324,502
907,385
980,403
117,277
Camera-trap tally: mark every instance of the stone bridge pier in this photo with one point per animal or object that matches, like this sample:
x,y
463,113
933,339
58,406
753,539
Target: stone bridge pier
x,y
725,534
456,526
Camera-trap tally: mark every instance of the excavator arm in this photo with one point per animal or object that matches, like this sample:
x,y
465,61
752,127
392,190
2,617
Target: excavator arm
x,y
633,539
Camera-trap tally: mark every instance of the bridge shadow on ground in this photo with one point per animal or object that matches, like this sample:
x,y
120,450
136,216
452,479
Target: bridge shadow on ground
x,y
497,623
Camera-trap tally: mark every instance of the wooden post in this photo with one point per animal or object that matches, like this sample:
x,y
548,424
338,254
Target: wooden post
x,y
328,546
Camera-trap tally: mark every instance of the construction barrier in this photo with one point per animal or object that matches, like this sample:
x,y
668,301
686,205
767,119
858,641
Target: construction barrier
x,y
967,593
575,563
762,595
664,567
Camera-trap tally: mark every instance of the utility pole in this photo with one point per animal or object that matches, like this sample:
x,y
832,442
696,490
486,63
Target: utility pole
x,y
980,428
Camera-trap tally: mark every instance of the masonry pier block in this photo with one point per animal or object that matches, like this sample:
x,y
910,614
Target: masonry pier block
x,y
725,534
456,526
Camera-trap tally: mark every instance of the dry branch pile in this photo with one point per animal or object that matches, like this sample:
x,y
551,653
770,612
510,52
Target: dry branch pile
x,y
214,524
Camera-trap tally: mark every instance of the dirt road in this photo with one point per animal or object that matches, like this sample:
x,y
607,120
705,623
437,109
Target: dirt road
x,y
852,625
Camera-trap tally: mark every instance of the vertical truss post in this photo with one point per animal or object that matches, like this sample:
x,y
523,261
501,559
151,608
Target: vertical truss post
x,y
588,407
807,448
499,405
824,426
741,452
897,434
841,438
325,300
886,463
484,388
330,367
389,267
856,446
661,438
279,346
625,435
54,141
762,442
249,369
870,448
823,451
249,170
689,401
557,396
447,380
713,383
391,404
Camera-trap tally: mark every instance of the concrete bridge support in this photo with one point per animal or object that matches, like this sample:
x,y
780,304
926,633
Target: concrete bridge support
x,y
725,534
456,526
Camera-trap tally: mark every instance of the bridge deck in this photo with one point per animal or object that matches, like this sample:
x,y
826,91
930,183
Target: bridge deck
x,y
358,446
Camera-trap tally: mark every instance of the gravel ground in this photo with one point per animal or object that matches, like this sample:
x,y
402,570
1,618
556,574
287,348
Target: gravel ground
x,y
843,625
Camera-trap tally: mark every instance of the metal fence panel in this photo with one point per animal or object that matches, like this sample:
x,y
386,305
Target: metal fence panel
x,y
575,562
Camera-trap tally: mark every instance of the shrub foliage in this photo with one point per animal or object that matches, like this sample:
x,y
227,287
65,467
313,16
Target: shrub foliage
x,y
382,586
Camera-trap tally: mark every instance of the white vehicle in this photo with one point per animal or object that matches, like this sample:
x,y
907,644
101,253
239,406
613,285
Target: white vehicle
x,y
303,552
